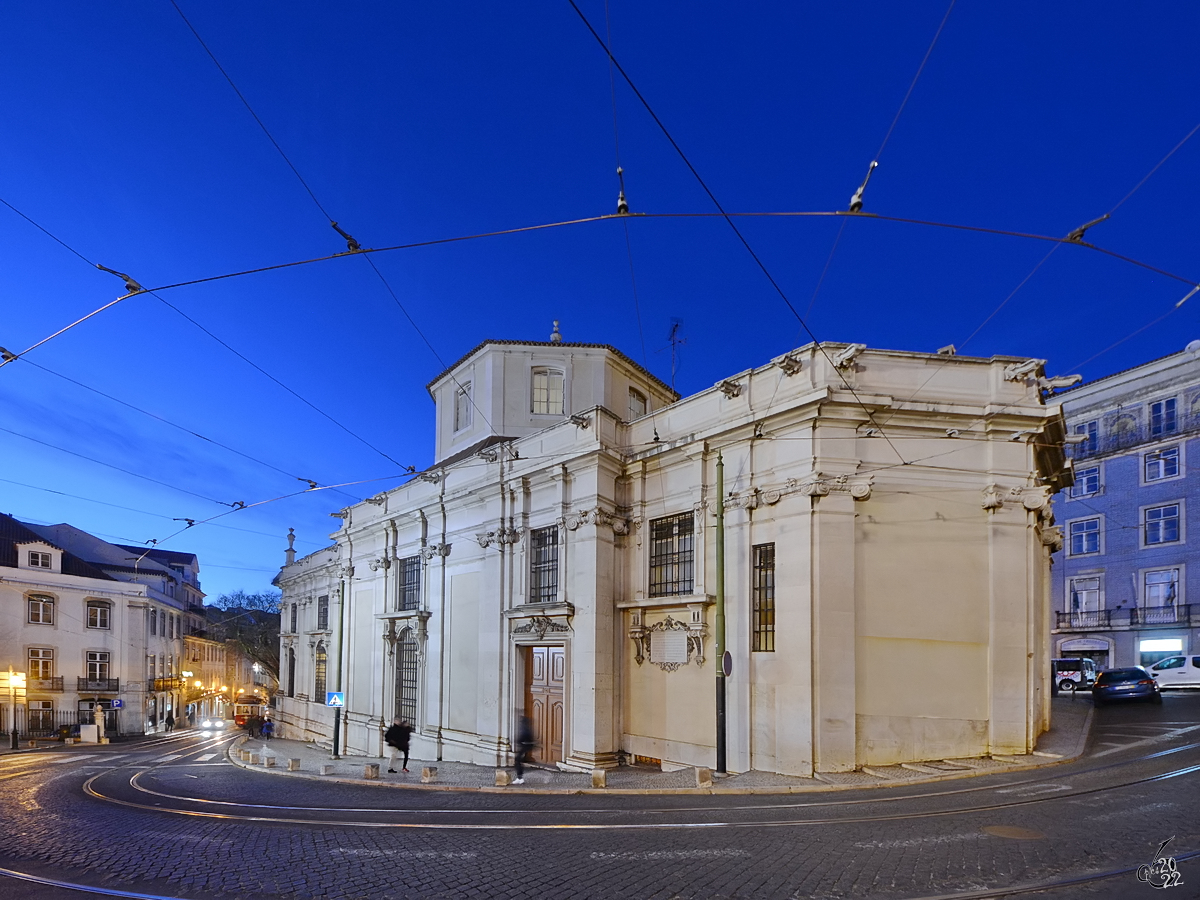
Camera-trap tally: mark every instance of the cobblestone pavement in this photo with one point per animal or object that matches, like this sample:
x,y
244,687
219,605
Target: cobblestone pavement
x,y
912,840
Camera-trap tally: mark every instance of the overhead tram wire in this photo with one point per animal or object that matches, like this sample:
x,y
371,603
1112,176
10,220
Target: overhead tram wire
x,y
1076,237
353,247
166,421
762,266
7,357
879,153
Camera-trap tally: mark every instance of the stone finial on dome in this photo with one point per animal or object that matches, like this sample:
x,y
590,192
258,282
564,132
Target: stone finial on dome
x,y
555,337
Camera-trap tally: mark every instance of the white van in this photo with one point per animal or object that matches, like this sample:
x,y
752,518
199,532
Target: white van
x,y
1073,673
1176,672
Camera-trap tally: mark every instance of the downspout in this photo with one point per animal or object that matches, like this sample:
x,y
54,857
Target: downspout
x,y
343,602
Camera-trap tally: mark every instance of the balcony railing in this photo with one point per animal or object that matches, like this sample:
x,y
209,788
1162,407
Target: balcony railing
x,y
98,685
1187,614
45,684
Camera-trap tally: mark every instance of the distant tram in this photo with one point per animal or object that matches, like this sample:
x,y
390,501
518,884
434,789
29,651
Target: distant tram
x,y
243,712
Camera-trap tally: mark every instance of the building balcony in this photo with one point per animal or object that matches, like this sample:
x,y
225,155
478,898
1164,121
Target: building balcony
x,y
1187,614
45,684
167,684
98,685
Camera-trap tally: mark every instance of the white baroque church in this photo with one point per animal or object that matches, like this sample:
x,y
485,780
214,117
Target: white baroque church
x,y
888,532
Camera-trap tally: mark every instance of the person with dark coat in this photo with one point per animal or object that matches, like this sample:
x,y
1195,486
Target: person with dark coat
x,y
170,722
397,737
267,729
525,745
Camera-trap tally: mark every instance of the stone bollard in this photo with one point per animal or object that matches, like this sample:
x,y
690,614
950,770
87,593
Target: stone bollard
x,y
599,778
703,777
253,759
293,765
327,769
428,774
245,754
269,762
503,778
371,770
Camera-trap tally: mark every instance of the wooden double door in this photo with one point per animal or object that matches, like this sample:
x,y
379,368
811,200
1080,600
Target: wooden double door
x,y
545,689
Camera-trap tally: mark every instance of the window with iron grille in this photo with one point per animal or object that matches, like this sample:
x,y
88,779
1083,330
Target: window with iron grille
x,y
547,392
406,676
292,629
41,663
410,584
154,621
97,614
672,555
762,599
543,566
323,613
319,680
41,610
41,715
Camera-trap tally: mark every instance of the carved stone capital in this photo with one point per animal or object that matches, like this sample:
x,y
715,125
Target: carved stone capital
x,y
730,389
992,500
1052,537
485,538
378,563
428,553
789,363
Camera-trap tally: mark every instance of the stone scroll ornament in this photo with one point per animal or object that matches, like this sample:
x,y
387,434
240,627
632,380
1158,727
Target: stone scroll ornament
x,y
539,625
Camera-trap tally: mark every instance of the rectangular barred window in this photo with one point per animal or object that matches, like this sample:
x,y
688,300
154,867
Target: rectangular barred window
x,y
323,613
543,567
672,555
292,622
410,583
762,599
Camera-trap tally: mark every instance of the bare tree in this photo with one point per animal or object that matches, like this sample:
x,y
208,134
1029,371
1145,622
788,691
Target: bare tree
x,y
251,623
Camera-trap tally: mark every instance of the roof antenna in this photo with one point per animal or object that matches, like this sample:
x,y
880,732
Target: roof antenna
x,y
676,342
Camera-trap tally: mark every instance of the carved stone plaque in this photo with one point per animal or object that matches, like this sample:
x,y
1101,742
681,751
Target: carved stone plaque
x,y
669,647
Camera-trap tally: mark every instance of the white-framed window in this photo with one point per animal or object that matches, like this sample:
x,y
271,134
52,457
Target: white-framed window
x,y
1161,525
1160,587
41,663
462,406
39,560
547,392
99,613
98,665
1087,482
41,716
1084,536
1162,418
638,405
1084,593
1161,464
1092,431
41,609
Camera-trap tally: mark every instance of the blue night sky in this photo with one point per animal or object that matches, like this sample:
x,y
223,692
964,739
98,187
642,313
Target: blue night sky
x,y
414,122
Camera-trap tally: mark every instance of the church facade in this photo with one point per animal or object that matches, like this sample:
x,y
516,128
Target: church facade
x,y
887,532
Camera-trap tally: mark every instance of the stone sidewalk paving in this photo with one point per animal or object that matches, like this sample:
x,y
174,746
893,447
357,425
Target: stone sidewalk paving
x,y
1071,717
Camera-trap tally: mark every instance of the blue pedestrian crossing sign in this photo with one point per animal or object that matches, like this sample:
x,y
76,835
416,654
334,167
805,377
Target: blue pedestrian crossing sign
x,y
335,698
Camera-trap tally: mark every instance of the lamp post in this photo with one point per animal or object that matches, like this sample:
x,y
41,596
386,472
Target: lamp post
x,y
16,686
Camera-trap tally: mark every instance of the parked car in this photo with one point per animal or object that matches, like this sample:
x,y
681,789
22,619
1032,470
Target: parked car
x,y
1073,673
1130,683
1176,671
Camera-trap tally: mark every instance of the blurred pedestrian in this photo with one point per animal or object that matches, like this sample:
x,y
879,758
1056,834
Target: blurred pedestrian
x,y
397,737
268,729
525,745
170,721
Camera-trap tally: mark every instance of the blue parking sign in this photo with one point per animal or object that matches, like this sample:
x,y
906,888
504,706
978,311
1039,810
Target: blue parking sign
x,y
118,703
335,698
